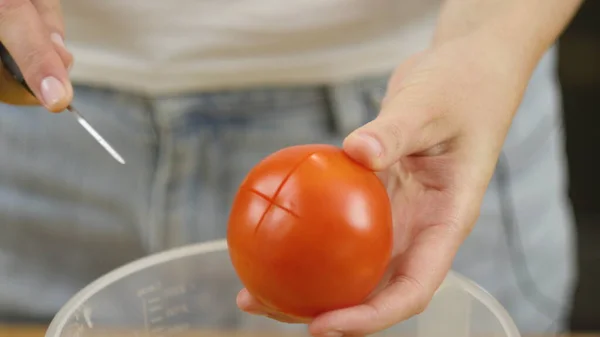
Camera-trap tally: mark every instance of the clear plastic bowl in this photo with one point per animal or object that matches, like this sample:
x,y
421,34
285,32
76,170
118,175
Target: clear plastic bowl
x,y
191,291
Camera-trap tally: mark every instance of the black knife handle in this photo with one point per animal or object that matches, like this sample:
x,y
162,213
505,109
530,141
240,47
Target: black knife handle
x,y
11,66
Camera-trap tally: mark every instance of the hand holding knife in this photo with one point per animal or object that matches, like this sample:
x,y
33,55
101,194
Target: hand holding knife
x,y
11,66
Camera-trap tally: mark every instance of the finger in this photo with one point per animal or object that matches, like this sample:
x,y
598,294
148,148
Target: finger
x,y
407,125
249,304
421,270
51,15
246,302
285,319
28,40
61,49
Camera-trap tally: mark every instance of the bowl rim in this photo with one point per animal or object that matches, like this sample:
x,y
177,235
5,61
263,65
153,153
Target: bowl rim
x,y
60,320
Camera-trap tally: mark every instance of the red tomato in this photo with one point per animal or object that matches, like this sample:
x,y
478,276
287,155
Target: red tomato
x,y
310,231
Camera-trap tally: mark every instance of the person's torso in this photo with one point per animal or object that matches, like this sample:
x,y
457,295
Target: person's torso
x,y
159,46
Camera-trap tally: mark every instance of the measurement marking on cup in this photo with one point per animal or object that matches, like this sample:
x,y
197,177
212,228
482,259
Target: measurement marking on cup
x,y
155,308
149,289
153,300
145,313
161,306
174,311
143,293
174,291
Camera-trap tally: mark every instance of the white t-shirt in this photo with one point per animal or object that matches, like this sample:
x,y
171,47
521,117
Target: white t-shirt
x,y
158,46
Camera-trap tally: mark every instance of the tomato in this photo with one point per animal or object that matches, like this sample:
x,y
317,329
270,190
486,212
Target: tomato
x,y
310,231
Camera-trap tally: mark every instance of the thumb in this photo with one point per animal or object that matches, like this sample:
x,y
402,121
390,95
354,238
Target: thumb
x,y
380,142
408,124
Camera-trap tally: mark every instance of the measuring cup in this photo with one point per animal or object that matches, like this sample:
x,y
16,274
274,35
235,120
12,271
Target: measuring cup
x,y
191,291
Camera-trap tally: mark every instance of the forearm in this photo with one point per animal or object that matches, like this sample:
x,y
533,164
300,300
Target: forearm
x,y
529,27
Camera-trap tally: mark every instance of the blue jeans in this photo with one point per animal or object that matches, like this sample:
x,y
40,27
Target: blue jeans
x,y
69,213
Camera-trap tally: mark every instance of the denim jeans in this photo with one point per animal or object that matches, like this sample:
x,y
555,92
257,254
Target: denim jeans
x,y
69,213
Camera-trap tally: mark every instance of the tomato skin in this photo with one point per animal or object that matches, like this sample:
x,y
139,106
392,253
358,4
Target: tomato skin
x,y
310,231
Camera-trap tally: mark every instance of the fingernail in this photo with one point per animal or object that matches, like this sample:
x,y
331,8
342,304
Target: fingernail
x,y
53,91
56,38
373,145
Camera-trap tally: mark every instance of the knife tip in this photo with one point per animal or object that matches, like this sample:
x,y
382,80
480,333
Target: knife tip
x,y
120,159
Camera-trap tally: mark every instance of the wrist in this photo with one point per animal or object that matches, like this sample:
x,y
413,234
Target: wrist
x,y
523,28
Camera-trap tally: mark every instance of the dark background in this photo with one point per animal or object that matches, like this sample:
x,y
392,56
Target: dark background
x,y
580,80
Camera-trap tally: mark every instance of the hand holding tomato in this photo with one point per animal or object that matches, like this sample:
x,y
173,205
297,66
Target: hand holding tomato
x,y
434,145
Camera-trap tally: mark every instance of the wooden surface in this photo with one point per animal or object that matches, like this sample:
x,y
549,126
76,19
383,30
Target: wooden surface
x,y
22,331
